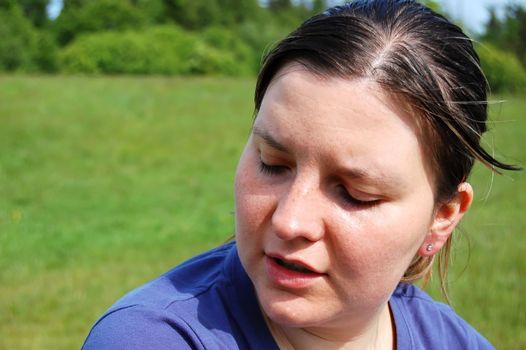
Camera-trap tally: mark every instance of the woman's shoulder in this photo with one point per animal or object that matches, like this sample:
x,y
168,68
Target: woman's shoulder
x,y
137,327
166,313
422,323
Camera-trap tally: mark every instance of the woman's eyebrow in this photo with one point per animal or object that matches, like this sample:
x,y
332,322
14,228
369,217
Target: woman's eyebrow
x,y
269,139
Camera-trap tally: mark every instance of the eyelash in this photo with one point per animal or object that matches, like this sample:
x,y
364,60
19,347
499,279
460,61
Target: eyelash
x,y
271,170
274,170
348,198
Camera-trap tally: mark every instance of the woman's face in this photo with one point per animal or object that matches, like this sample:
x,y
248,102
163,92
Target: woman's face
x,y
333,199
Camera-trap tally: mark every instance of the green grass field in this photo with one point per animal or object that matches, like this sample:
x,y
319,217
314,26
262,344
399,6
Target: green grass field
x,y
107,182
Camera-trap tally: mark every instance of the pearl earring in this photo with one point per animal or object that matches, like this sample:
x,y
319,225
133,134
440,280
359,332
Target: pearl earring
x,y
429,247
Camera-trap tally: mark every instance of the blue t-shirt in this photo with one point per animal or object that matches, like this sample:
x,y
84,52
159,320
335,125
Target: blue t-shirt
x,y
209,302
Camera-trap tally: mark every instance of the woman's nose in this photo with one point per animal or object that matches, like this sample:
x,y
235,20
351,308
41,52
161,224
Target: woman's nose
x,y
298,213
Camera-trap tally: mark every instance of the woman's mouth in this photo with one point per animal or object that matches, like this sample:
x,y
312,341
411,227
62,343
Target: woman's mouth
x,y
292,266
289,274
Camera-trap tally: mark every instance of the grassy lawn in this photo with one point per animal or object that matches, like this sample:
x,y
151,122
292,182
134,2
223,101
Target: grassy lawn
x,y
107,182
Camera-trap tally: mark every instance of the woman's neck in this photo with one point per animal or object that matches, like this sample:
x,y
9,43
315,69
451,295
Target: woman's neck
x,y
377,334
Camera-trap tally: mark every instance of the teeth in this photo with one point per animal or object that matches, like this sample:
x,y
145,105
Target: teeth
x,y
292,266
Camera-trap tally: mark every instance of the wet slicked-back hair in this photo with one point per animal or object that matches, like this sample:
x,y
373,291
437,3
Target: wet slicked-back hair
x,y
421,58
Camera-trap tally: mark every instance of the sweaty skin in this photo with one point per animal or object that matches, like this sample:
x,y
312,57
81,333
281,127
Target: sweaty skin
x,y
334,198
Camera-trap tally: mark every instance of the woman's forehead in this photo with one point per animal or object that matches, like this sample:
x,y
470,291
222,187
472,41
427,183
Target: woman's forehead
x,y
297,90
338,119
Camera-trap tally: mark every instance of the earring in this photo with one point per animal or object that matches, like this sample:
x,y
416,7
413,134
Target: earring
x,y
429,247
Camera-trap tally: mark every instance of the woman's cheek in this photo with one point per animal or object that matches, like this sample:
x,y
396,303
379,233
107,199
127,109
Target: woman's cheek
x,y
373,242
251,197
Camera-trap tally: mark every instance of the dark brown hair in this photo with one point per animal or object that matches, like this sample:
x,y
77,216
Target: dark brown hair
x,y
418,56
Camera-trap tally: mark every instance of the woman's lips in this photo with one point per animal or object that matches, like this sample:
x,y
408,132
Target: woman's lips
x,y
290,274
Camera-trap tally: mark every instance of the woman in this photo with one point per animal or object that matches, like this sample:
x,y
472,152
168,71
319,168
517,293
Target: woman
x,y
368,121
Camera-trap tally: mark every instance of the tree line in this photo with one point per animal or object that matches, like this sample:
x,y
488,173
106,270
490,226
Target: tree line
x,y
187,37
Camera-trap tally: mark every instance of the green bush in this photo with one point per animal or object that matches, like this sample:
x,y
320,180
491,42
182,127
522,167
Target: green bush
x,y
261,36
96,16
157,50
503,70
22,47
210,60
46,55
223,52
18,41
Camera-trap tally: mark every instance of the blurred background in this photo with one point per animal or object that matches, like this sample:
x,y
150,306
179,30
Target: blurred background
x,y
121,122
220,37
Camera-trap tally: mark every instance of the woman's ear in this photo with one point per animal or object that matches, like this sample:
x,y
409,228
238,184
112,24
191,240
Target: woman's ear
x,y
446,218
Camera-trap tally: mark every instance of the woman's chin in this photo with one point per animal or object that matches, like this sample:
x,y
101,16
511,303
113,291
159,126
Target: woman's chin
x,y
290,311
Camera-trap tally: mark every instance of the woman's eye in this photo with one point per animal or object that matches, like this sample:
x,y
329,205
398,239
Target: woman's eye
x,y
349,199
271,169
